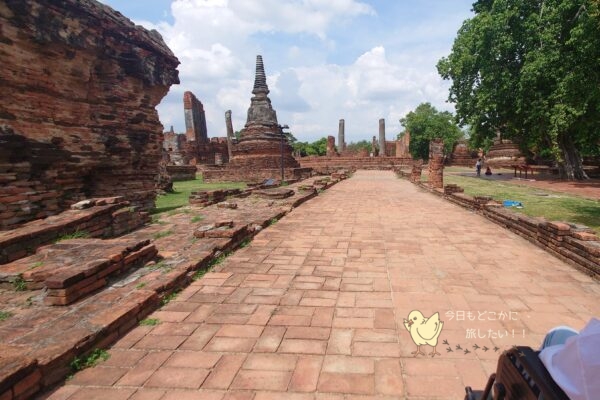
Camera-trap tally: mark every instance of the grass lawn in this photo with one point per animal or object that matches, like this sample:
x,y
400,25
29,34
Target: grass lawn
x,y
553,206
183,189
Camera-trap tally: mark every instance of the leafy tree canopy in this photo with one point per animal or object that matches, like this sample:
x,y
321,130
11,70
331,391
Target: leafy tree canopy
x,y
318,148
529,71
426,123
358,146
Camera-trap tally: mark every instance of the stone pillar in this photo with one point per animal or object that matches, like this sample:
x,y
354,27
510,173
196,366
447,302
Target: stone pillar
x,y
229,126
436,163
195,119
382,137
373,146
341,139
331,146
218,159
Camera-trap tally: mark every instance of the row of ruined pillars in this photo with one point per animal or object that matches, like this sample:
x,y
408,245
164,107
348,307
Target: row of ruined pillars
x,y
378,147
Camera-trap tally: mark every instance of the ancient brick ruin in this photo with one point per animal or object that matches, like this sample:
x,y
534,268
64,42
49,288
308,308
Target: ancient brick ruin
x,y
403,145
504,153
331,152
230,134
194,147
385,154
262,149
195,119
462,156
436,163
79,120
341,138
382,138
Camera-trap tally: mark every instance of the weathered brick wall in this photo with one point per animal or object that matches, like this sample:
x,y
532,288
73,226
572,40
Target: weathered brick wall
x,y
207,153
216,174
182,172
403,145
326,165
80,84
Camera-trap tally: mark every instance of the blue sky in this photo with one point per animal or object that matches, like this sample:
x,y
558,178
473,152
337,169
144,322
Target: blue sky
x,y
324,59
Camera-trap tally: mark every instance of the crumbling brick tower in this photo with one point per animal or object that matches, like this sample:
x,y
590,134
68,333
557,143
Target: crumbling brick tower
x,y
195,119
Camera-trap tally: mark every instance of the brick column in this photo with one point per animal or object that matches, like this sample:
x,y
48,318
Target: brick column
x,y
341,138
415,174
229,126
331,146
382,137
436,163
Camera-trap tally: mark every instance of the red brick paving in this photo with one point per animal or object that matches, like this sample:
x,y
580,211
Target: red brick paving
x,y
313,307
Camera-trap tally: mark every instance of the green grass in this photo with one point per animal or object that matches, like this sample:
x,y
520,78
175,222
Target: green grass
x,y
199,274
162,234
162,266
171,296
35,265
212,263
91,360
74,235
4,315
19,284
183,189
197,218
150,322
553,206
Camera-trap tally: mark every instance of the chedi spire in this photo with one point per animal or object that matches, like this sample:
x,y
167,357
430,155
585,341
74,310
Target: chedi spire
x,y
260,79
261,111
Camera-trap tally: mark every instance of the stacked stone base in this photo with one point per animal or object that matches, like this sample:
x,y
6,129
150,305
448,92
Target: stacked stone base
x,y
327,165
452,188
230,174
205,198
462,160
107,217
504,154
72,269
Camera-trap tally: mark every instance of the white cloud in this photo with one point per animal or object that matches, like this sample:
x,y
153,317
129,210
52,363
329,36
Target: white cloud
x,y
389,73
363,92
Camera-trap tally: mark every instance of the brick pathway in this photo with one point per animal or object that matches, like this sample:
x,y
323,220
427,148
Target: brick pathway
x,y
314,305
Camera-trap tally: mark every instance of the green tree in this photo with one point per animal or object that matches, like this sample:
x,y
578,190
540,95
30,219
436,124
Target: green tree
x,y
355,147
529,71
317,148
426,123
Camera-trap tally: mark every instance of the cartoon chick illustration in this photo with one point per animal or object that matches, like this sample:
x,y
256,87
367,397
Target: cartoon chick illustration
x,y
424,330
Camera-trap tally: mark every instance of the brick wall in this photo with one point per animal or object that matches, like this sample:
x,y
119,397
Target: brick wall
x,y
80,84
